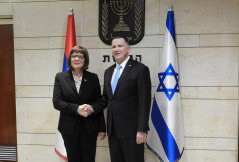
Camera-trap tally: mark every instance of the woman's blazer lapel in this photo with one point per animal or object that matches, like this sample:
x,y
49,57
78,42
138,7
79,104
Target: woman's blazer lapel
x,y
84,83
83,86
69,78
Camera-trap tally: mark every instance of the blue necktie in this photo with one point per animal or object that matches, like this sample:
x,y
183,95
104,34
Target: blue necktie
x,y
116,78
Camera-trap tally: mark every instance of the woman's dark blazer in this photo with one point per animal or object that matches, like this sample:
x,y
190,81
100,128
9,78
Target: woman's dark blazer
x,y
67,100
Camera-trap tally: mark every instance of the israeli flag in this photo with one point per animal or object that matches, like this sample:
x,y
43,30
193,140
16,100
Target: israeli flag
x,y
165,138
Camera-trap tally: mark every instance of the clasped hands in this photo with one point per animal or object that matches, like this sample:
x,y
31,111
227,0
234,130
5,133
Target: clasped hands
x,y
84,110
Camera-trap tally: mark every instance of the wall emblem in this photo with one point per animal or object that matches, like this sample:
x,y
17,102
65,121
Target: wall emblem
x,y
121,18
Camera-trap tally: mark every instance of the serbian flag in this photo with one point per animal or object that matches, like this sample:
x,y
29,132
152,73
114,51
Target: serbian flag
x,y
165,138
70,43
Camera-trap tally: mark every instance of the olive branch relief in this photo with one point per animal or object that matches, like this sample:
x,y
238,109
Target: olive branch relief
x,y
137,21
104,19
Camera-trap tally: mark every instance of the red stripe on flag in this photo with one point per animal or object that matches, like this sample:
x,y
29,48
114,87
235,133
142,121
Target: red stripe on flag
x,y
60,155
70,35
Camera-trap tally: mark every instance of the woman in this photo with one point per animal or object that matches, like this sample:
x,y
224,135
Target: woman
x,y
72,90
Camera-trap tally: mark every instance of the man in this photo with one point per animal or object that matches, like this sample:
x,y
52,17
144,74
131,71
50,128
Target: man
x,y
128,106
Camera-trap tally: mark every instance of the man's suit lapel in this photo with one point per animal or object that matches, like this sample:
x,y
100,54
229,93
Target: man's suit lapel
x,y
127,68
69,78
108,79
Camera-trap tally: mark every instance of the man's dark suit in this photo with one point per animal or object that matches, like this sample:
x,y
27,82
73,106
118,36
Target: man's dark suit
x,y
67,100
128,108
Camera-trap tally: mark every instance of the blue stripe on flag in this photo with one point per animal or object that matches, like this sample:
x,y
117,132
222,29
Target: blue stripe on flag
x,y
64,68
166,137
170,25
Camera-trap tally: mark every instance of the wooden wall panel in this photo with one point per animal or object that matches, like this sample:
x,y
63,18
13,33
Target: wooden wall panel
x,y
8,136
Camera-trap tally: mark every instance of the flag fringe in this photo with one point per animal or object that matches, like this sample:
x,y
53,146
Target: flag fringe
x,y
60,155
155,153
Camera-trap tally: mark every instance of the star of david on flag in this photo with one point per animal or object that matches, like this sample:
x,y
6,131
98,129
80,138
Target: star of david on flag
x,y
162,87
166,138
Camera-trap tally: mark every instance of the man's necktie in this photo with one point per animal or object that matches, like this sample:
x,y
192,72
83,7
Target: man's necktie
x,y
116,78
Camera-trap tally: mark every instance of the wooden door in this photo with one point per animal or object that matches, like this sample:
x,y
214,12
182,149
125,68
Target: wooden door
x,y
8,135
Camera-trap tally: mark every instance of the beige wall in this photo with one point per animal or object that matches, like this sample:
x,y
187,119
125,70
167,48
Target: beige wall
x,y
208,48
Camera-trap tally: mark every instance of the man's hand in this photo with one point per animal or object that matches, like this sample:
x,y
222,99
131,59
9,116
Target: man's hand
x,y
84,110
101,135
141,137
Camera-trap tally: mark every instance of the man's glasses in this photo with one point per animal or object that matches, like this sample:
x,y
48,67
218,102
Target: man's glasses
x,y
80,57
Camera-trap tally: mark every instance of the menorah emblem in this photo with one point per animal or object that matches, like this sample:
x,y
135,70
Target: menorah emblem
x,y
121,8
124,18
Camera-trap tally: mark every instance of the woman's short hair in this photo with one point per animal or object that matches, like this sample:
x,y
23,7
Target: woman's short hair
x,y
81,50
